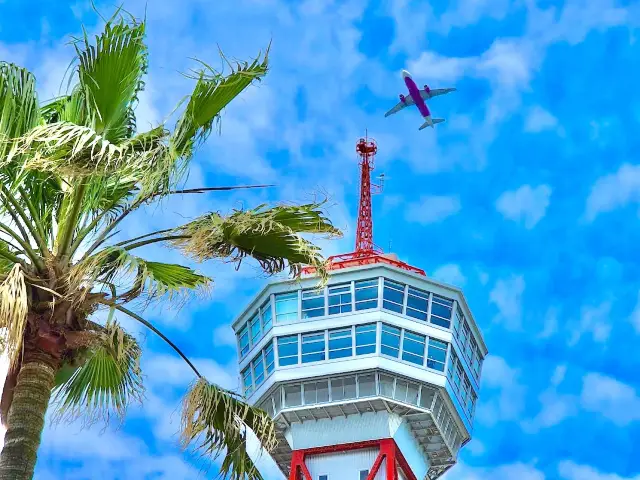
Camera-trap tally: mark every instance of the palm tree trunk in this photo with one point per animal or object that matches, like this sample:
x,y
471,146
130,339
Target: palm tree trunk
x,y
26,416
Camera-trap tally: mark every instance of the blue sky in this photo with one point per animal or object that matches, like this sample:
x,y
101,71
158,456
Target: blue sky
x,y
527,197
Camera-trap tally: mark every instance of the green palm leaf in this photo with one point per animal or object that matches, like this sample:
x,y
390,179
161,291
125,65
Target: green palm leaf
x,y
110,74
108,377
212,93
270,235
214,420
154,279
18,106
6,261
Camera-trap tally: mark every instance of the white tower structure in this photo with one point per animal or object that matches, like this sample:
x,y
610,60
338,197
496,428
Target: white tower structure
x,y
374,376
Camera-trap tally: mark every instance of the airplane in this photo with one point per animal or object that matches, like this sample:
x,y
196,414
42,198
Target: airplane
x,y
417,97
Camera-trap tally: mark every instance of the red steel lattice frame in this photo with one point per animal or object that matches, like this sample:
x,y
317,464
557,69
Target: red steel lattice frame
x,y
366,251
389,451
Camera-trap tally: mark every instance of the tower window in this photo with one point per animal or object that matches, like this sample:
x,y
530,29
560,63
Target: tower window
x,y
366,339
267,316
287,307
417,303
313,347
441,311
247,381
340,343
288,350
244,341
323,477
312,303
366,294
364,474
393,296
256,332
413,348
339,299
390,341
437,354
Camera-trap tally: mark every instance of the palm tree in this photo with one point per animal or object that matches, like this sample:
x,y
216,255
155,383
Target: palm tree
x,y
72,170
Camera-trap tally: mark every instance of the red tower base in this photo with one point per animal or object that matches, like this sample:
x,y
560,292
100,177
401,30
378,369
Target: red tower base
x,y
389,451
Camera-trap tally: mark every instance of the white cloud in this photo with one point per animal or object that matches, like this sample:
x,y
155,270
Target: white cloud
x,y
432,209
538,119
468,12
594,321
507,297
558,375
507,401
506,64
611,398
550,326
527,204
223,336
569,470
613,191
451,274
439,68
555,408
513,471
173,371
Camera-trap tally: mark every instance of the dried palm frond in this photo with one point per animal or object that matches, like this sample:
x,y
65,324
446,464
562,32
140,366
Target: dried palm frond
x,y
13,312
64,148
269,235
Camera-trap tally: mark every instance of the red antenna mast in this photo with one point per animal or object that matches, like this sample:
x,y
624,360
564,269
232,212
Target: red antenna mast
x,y
366,251
364,234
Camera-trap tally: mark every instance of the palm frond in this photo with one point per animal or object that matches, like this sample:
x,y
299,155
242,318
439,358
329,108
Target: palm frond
x,y
106,377
269,235
110,76
18,106
212,93
13,312
64,148
215,421
154,279
7,259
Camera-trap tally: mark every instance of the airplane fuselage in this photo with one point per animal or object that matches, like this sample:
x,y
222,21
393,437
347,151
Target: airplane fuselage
x,y
414,91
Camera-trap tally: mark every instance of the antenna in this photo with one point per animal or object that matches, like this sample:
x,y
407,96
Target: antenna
x,y
366,252
367,149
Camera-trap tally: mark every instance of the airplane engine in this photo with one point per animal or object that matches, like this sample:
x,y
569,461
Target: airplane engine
x,y
427,89
402,98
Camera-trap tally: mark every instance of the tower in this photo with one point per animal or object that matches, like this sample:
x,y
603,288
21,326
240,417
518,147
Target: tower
x,y
372,377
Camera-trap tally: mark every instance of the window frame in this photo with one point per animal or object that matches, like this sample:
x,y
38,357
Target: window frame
x,y
375,284
348,330
297,354
399,335
321,339
340,305
286,317
375,338
314,294
397,287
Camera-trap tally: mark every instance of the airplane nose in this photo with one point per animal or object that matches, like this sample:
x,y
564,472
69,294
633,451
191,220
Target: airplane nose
x,y
405,74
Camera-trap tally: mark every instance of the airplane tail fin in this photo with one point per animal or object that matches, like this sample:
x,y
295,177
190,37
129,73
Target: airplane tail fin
x,y
431,122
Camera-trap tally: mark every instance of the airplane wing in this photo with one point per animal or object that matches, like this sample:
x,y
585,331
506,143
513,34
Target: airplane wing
x,y
407,102
434,92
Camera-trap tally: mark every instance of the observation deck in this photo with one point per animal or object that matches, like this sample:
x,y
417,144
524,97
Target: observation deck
x,y
380,352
